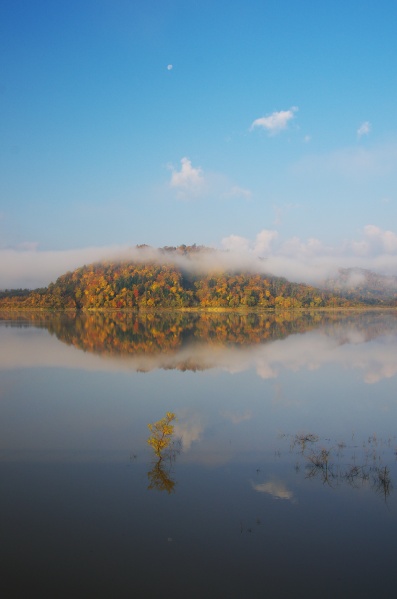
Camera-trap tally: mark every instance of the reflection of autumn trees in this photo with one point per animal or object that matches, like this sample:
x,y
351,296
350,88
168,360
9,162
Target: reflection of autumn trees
x,y
134,286
122,333
151,333
252,328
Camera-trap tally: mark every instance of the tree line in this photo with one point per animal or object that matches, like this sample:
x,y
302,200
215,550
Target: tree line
x,y
149,285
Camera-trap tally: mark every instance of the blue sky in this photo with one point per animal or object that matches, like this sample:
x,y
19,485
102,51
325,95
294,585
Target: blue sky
x,y
265,127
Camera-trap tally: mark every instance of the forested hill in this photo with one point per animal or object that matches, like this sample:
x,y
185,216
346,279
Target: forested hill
x,y
150,285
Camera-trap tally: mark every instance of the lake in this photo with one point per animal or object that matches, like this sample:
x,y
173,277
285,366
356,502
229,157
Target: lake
x,y
280,479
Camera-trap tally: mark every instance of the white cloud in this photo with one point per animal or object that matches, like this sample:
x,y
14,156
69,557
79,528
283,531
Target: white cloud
x,y
169,67
275,122
386,240
189,181
374,241
236,191
259,247
235,243
364,129
263,242
311,260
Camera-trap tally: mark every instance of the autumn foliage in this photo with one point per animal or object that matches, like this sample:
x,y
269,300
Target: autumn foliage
x,y
151,286
161,433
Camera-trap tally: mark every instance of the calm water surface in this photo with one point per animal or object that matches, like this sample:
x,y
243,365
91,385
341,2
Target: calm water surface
x,y
282,481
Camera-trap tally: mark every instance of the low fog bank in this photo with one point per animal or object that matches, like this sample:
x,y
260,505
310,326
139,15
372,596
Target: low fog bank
x,y
299,261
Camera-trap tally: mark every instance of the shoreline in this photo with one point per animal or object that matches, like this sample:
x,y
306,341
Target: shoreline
x,y
198,310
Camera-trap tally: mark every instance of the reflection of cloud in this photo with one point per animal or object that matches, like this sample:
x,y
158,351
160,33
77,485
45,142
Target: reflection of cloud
x,y
237,417
312,351
276,489
189,429
266,371
380,372
281,399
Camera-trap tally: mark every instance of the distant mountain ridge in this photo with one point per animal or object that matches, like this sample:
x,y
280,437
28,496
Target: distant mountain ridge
x,y
363,284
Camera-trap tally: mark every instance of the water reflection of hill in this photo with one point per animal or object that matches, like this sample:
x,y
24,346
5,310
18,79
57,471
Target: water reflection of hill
x,y
167,333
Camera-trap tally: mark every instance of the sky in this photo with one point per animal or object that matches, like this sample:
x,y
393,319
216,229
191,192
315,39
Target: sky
x,y
266,128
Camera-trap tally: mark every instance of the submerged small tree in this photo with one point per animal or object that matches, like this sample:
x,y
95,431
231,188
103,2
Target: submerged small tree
x,y
163,444
162,433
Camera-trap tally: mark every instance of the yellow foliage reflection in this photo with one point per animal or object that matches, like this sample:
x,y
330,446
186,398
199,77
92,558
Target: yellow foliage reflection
x,y
159,478
149,334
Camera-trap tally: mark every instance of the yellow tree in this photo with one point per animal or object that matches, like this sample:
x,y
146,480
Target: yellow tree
x,y
161,434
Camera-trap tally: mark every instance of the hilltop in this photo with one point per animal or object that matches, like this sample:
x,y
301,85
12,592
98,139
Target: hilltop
x,y
196,277
152,284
